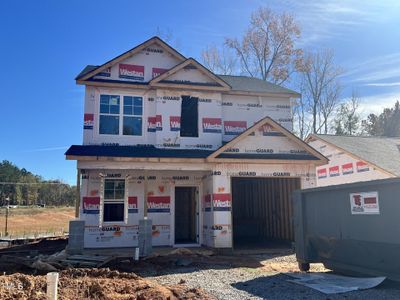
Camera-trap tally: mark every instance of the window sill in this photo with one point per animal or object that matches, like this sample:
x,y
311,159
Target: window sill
x,y
113,223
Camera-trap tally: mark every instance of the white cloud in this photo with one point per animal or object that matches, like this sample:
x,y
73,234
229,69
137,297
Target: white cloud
x,y
373,71
376,63
376,103
47,149
383,84
326,19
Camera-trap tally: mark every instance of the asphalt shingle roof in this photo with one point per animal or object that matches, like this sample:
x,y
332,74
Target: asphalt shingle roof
x,y
238,83
135,151
383,152
86,70
251,84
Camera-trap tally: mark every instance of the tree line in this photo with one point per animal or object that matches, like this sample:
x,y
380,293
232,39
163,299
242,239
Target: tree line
x,y
267,50
22,187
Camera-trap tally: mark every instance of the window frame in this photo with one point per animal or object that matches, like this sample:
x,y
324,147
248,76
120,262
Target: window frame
x,y
114,201
110,114
121,115
133,115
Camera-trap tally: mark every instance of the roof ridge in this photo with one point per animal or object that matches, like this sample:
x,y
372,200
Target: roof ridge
x,y
359,136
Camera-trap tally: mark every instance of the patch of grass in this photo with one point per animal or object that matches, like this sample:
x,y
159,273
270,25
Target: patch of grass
x,y
24,221
33,210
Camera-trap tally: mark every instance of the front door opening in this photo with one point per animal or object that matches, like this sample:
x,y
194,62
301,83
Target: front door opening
x,y
185,215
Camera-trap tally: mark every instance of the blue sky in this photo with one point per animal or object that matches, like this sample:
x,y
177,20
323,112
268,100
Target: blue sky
x,y
44,44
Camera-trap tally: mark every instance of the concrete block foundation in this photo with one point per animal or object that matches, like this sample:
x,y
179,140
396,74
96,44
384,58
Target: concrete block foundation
x,y
76,237
145,237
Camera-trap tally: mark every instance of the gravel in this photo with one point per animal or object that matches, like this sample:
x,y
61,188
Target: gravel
x,y
225,281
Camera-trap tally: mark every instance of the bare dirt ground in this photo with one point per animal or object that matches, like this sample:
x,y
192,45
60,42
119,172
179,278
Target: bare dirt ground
x,y
95,284
19,281
23,221
174,274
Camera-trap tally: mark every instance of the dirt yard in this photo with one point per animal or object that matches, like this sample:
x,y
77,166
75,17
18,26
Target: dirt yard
x,y
171,274
27,221
95,284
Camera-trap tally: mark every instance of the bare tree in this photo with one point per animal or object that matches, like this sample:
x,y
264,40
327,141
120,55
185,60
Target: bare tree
x,y
220,61
267,49
329,103
301,118
321,86
167,35
347,120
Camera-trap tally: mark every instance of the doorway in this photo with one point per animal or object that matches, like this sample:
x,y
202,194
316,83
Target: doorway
x,y
262,211
186,229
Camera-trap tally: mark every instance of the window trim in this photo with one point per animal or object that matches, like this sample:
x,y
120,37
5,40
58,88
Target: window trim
x,y
120,116
114,201
132,115
110,114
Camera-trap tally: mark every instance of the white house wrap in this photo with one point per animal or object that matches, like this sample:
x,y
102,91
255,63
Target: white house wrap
x,y
165,138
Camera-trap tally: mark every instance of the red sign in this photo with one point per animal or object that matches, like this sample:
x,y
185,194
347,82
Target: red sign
x,y
151,124
322,173
158,71
362,166
234,127
370,200
334,171
133,72
132,204
221,202
364,203
175,123
91,205
347,168
158,204
212,125
268,130
88,121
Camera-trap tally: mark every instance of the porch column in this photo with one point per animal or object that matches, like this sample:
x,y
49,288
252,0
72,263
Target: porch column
x,y
145,226
78,193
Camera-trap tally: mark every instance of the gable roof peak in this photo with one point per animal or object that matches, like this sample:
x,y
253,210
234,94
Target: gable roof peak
x,y
191,61
268,120
134,50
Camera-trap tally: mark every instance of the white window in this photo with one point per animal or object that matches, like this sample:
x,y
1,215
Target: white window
x,y
109,114
114,204
112,118
133,111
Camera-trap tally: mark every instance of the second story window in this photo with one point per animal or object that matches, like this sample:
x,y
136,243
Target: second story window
x,y
109,114
117,117
133,111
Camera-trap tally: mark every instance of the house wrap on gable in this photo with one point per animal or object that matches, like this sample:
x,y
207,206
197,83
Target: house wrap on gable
x,y
167,140
356,158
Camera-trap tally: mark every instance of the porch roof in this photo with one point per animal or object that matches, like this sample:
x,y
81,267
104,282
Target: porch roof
x,y
135,151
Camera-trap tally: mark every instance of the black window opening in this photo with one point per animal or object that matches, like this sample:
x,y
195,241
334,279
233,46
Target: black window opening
x,y
190,117
113,212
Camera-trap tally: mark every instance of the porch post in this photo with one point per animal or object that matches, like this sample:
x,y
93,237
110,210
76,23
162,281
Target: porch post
x,y
145,195
78,193
145,226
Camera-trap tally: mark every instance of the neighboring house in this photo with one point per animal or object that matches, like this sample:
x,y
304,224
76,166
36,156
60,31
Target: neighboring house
x,y
356,158
208,159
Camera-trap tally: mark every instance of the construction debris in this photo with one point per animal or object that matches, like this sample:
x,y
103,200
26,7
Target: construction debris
x,y
43,266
